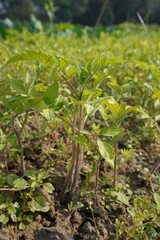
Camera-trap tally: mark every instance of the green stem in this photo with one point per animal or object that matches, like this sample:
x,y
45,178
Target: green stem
x,y
68,83
95,225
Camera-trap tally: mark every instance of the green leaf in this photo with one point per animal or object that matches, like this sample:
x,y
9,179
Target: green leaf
x,y
51,94
18,86
36,103
29,218
101,63
32,55
48,187
10,137
11,178
30,174
109,131
155,89
107,152
63,63
70,71
11,210
42,174
123,198
89,65
20,183
80,139
157,199
119,110
4,219
90,110
2,146
39,204
22,226
83,75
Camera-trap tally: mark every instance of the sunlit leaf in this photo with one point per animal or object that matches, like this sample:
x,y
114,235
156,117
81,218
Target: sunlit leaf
x,y
107,152
51,94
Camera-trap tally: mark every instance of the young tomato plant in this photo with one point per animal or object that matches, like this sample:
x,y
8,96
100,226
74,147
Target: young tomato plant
x,y
73,109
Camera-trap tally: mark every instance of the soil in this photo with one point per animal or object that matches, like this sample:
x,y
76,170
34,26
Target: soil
x,y
64,223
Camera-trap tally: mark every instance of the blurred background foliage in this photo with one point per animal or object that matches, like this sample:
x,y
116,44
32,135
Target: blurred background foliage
x,y
83,12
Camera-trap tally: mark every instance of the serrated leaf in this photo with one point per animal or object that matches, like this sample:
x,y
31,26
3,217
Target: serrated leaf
x,y
63,63
51,94
89,65
107,152
71,70
80,139
101,63
32,55
20,183
155,89
37,103
109,131
83,75
119,110
18,86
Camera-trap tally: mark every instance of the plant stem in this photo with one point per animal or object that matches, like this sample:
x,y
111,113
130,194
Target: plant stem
x,y
115,164
22,163
24,122
68,180
79,154
68,83
97,177
94,222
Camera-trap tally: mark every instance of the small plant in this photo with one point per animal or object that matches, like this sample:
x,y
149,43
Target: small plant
x,y
83,102
28,194
143,221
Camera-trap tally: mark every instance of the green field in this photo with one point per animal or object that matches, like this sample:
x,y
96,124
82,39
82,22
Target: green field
x,y
79,131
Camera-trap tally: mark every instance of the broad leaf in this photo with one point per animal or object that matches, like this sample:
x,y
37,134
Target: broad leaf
x,y
39,204
109,131
80,139
155,89
51,94
123,198
48,187
71,70
157,199
107,152
33,55
20,183
18,86
4,219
